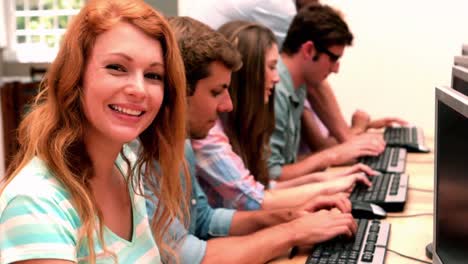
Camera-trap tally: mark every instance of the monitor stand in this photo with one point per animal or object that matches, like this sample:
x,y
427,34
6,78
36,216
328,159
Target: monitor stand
x,y
429,250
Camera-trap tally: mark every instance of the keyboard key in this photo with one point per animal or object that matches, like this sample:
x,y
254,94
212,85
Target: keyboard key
x,y
323,261
395,157
367,257
374,228
370,247
353,255
344,255
372,237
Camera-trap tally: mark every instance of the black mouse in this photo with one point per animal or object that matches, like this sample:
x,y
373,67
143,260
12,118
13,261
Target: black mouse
x,y
365,210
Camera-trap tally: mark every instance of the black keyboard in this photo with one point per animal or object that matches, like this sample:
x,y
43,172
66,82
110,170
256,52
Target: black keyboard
x,y
368,246
391,160
410,138
388,190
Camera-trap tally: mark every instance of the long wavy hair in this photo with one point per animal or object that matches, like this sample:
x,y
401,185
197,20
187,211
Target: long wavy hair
x,y
54,129
250,125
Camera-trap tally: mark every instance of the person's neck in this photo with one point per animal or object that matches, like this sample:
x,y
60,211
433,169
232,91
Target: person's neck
x,y
103,154
293,65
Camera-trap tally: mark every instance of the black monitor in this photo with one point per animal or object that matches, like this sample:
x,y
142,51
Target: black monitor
x,y
451,178
460,79
461,61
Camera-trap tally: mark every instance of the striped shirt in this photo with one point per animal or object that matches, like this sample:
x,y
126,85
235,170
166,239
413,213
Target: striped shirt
x,y
39,221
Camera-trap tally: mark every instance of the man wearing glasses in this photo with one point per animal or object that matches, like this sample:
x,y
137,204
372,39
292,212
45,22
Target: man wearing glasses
x,y
316,40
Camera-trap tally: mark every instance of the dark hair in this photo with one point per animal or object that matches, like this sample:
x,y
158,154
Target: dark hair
x,y
301,3
320,24
200,46
251,123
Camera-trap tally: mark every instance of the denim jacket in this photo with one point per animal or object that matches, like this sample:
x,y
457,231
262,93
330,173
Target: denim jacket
x,y
289,104
205,222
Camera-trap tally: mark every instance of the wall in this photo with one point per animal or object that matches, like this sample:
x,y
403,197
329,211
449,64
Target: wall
x,y
402,50
168,7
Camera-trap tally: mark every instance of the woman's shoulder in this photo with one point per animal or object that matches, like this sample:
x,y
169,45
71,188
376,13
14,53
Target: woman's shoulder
x,y
34,179
36,185
35,203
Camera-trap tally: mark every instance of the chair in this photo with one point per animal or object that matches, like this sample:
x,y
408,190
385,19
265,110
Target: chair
x,y
37,74
15,96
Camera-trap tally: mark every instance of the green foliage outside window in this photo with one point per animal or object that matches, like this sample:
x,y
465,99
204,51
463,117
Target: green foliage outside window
x,y
33,4
20,23
19,5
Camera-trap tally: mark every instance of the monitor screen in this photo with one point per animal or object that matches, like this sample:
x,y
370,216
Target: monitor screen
x,y
451,179
461,61
460,79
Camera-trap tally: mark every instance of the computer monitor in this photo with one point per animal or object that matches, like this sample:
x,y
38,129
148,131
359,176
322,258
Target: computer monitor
x,y
461,61
451,178
465,49
460,79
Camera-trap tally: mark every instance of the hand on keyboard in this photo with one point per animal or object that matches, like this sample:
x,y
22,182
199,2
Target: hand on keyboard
x,y
359,122
368,144
320,202
360,167
388,121
346,183
321,226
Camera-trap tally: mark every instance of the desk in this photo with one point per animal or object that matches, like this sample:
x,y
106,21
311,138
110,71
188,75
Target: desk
x,y
410,235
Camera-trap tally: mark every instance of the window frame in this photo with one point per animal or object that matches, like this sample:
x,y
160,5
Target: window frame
x,y
34,52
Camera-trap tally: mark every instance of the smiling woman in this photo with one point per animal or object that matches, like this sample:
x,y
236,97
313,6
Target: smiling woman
x,y
74,187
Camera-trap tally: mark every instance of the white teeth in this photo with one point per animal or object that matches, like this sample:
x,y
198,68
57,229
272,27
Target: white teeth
x,y
126,111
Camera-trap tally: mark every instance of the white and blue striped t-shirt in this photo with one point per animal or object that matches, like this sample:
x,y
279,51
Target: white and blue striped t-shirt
x,y
38,221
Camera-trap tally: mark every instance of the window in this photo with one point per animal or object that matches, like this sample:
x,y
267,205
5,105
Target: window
x,y
37,26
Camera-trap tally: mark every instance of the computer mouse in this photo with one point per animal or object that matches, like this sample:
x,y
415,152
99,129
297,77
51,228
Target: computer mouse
x,y
367,210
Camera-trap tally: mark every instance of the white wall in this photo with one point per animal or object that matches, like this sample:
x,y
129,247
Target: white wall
x,y
183,6
402,50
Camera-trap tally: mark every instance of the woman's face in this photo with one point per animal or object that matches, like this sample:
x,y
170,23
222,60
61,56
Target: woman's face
x,y
123,84
271,72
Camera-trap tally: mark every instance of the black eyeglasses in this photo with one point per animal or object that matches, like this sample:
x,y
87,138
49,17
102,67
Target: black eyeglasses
x,y
333,57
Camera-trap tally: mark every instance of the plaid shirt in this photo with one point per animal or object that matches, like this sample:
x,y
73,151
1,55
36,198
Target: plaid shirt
x,y
223,175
